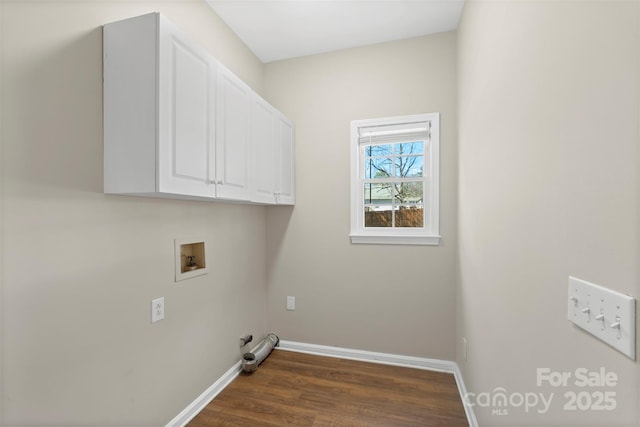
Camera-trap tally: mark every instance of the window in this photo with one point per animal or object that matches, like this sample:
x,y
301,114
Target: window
x,y
395,180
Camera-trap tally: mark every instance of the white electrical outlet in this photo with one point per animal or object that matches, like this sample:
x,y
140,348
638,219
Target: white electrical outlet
x,y
604,313
291,303
157,309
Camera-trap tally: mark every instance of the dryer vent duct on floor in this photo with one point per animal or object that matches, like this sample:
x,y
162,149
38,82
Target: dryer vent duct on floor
x,y
251,360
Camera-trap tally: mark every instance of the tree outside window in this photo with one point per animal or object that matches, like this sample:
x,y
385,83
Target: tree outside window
x,y
393,195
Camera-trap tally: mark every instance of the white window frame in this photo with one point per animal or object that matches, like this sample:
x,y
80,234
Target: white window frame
x,y
427,235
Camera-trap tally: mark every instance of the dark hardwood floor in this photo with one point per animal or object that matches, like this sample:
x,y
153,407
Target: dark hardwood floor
x,y
304,390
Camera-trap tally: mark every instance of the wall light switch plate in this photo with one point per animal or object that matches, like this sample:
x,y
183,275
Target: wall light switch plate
x,y
291,303
604,313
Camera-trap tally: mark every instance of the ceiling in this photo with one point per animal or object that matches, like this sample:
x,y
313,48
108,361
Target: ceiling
x,y
283,29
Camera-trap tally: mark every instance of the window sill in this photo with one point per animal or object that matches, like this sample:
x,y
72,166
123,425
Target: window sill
x,y
369,239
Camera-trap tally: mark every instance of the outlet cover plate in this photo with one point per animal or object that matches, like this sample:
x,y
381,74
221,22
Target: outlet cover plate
x,y
604,313
157,309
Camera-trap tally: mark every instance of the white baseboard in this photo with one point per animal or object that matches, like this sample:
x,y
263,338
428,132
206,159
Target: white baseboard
x,y
370,356
206,397
344,353
468,407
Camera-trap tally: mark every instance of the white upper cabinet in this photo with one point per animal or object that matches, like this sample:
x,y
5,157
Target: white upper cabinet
x,y
264,146
159,111
178,124
286,189
233,147
272,147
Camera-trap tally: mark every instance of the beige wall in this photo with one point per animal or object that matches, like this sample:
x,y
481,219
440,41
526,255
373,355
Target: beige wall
x,y
80,268
397,299
1,237
549,113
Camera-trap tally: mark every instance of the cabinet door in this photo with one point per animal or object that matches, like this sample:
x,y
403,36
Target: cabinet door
x,y
186,113
233,136
264,152
286,189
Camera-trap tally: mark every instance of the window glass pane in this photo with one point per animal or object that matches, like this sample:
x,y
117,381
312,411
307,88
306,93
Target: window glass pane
x,y
409,216
378,216
409,193
378,200
378,194
378,150
377,167
409,166
409,148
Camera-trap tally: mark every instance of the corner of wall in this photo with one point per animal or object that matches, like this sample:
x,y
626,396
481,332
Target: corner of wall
x,y
1,207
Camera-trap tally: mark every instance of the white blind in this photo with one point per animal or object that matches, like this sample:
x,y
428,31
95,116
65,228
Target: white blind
x,y
386,134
